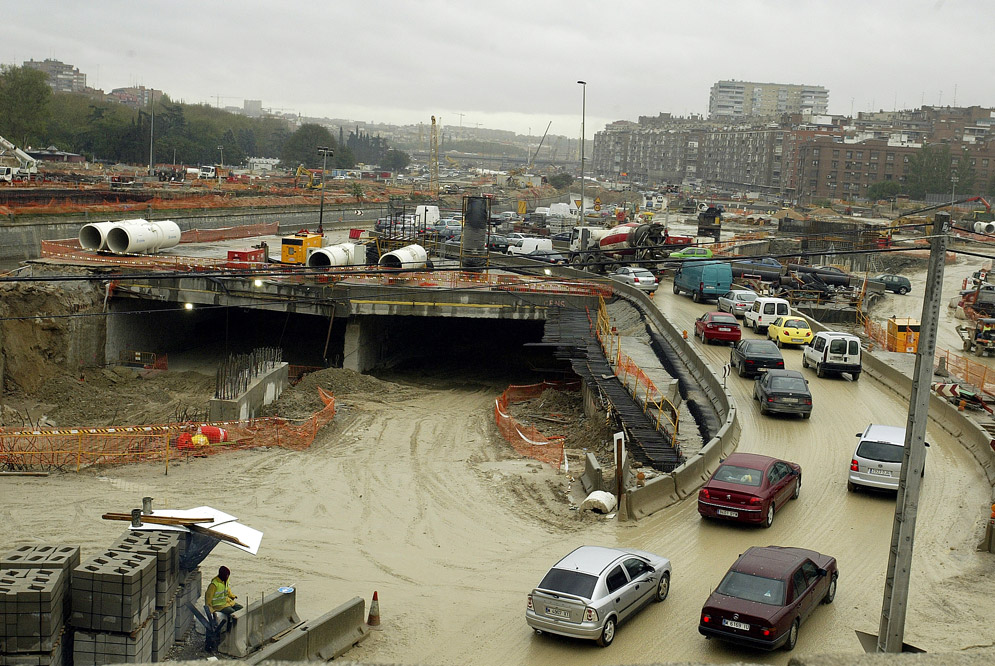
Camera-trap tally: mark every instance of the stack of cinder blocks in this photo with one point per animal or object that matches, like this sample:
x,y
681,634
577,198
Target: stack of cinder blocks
x,y
188,592
113,600
34,604
165,547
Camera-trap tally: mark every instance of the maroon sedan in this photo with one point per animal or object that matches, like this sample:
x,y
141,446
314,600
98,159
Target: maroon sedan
x,y
749,488
720,326
767,594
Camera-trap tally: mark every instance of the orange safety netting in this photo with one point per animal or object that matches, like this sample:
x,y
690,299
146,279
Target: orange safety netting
x,y
75,448
527,440
972,372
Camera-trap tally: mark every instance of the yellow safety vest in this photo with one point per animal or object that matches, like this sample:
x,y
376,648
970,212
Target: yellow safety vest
x,y
221,590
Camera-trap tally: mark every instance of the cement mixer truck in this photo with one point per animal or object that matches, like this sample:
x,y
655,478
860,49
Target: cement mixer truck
x,y
602,250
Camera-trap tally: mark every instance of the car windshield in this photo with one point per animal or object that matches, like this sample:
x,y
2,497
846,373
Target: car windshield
x,y
788,384
741,475
795,323
880,451
569,582
752,588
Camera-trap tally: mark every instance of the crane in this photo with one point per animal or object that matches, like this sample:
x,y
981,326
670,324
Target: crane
x,y
27,166
536,153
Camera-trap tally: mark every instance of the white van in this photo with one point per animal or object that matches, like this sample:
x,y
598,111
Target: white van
x,y
831,351
530,245
877,460
764,311
426,216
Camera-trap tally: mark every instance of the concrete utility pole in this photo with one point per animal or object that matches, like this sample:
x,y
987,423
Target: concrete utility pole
x,y
324,151
583,118
891,633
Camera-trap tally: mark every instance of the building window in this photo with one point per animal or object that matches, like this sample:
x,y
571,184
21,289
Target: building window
x,y
890,157
836,153
874,154
849,154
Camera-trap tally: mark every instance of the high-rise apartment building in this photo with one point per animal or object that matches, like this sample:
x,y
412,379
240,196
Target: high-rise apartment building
x,y
747,99
61,77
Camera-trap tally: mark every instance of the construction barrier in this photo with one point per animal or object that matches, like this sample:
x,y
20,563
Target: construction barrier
x,y
330,636
260,622
972,372
69,448
527,440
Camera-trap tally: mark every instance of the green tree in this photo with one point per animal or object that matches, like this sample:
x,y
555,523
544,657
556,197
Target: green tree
x,y
24,97
965,174
561,180
357,191
884,189
302,146
395,160
928,171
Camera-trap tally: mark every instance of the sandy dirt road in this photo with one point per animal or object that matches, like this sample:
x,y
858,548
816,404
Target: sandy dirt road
x,y
419,499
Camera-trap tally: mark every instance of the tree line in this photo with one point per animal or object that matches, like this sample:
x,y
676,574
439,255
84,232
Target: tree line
x,y
106,131
935,169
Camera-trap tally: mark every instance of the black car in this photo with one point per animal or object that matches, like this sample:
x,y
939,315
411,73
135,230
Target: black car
x,y
547,256
783,391
896,283
497,243
562,237
753,357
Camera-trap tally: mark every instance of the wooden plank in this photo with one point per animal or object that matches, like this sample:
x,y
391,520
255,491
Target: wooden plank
x,y
158,520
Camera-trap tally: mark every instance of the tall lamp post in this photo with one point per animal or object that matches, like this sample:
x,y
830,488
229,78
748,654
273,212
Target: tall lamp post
x,y
583,118
324,151
222,149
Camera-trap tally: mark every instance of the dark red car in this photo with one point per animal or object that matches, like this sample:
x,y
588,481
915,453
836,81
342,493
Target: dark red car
x,y
720,326
749,488
767,594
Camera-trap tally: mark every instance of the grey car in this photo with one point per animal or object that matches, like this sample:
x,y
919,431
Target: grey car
x,y
784,392
593,589
896,283
639,277
737,301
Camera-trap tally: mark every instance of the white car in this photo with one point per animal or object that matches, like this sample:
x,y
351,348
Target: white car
x,y
737,301
877,460
638,277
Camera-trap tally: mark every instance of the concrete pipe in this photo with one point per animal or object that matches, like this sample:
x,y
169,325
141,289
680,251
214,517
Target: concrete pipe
x,y
146,238
343,254
93,236
984,227
409,256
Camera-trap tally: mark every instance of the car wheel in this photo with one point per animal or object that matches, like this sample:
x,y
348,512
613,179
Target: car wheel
x,y
831,592
763,408
804,361
704,340
769,519
903,290
854,376
789,645
607,633
819,371
663,587
740,369
780,345
851,487
677,290
696,296
798,488
807,415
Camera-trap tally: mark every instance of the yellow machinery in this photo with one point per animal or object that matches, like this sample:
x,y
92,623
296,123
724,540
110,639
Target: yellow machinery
x,y
308,178
903,335
293,249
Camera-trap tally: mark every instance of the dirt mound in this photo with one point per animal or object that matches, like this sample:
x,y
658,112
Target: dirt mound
x,y
557,412
302,400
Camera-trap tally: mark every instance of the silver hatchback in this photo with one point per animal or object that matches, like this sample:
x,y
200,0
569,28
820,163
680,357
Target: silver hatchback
x,y
737,301
593,589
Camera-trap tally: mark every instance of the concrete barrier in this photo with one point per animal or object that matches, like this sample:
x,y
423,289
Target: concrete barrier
x,y
593,477
330,636
658,493
260,622
262,390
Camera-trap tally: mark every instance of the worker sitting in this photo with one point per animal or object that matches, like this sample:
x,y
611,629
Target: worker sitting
x,y
219,598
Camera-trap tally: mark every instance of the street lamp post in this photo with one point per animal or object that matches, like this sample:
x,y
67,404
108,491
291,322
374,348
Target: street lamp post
x,y
222,149
325,151
583,118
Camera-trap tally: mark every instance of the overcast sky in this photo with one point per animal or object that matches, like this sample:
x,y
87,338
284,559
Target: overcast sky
x,y
510,64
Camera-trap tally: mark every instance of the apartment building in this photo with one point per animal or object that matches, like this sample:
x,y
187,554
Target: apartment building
x,y
736,100
61,77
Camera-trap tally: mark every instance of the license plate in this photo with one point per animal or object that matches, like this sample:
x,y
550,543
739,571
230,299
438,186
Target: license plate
x,y
789,400
879,472
724,328
762,369
727,513
797,340
736,625
558,612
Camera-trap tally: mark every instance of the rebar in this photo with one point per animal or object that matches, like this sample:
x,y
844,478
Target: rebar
x,y
238,370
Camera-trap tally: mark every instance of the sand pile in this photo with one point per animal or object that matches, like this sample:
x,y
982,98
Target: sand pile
x,y
302,400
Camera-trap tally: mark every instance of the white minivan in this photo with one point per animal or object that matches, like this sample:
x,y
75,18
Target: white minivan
x,y
831,351
764,311
531,245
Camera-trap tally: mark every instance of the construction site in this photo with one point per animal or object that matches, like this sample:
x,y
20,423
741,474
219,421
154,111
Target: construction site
x,y
386,438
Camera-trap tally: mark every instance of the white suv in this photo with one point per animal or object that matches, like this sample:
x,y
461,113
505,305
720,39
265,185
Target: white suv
x,y
833,352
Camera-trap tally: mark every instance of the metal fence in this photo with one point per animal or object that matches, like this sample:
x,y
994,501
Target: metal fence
x,y
238,370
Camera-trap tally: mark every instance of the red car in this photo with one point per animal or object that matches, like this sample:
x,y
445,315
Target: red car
x,y
767,594
720,326
749,488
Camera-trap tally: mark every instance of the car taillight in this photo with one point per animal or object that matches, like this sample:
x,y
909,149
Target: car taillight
x,y
705,618
531,607
808,402
704,494
749,362
780,364
701,286
808,333
767,632
770,398
854,467
755,500
590,615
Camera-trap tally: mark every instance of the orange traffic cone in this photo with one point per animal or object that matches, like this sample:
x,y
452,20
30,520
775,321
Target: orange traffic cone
x,y
373,621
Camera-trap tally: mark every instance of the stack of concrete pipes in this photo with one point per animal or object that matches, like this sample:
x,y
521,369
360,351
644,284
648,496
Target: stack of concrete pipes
x,y
130,236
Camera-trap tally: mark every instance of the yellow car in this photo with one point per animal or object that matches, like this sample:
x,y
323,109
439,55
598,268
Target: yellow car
x,y
789,330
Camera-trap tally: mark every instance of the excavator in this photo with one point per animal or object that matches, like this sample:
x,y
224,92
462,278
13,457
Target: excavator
x,y
885,239
307,178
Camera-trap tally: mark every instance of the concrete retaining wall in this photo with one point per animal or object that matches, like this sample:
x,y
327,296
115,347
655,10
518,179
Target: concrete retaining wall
x,y
262,391
260,622
330,636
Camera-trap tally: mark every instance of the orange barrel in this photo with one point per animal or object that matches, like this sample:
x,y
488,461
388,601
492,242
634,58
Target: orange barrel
x,y
214,434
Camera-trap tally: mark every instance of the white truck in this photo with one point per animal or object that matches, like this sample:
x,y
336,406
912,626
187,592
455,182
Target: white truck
x,y
15,164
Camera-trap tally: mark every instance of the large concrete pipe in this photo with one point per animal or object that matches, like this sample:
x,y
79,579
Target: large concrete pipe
x,y
984,227
409,256
145,238
343,254
93,236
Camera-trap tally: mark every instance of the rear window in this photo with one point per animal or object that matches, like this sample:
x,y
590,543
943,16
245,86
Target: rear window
x,y
854,347
795,323
569,582
837,347
749,298
724,319
881,451
642,273
768,591
741,475
788,384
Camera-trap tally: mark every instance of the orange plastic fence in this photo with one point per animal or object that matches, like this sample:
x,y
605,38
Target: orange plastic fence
x,y
228,233
972,372
527,440
76,448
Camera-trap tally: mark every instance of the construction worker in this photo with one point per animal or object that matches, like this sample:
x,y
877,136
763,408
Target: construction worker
x,y
219,598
